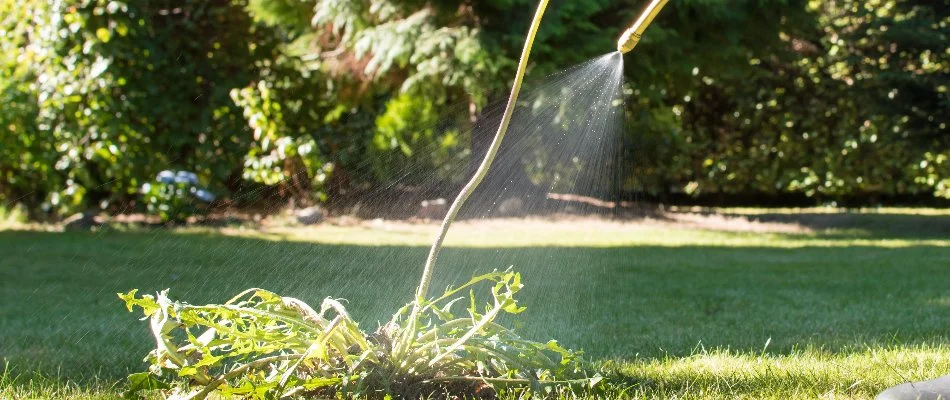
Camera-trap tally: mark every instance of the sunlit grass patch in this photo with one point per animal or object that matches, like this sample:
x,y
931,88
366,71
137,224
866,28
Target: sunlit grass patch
x,y
801,374
580,233
713,374
30,385
866,308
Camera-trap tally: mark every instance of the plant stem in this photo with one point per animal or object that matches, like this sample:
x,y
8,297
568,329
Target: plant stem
x,y
261,363
488,317
423,291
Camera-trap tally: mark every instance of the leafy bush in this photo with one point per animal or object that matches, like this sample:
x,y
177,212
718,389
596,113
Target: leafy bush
x,y
261,345
175,196
104,90
410,146
825,100
15,214
283,152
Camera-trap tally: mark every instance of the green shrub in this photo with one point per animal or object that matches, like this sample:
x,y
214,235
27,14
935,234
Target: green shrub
x,y
103,91
16,214
283,152
175,196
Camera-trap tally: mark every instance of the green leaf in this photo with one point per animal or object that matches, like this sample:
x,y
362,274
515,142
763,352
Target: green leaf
x,y
512,308
146,302
142,381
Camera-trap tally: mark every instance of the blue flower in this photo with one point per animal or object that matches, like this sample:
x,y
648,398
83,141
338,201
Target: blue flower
x,y
186,177
166,177
203,195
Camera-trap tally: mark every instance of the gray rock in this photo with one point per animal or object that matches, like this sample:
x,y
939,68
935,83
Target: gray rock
x,y
310,215
934,389
433,209
511,207
80,221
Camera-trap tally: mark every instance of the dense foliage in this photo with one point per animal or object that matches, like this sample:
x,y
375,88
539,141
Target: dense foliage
x,y
853,104
826,100
119,91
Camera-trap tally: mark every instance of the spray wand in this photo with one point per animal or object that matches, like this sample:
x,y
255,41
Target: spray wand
x,y
628,40
630,37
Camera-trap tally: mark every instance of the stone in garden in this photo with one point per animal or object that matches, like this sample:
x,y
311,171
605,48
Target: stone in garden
x,y
510,207
310,215
80,221
433,209
933,389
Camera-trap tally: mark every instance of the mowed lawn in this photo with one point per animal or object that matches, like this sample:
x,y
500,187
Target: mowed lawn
x,y
806,305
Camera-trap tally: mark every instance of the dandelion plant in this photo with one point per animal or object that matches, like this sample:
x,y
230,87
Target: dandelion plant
x,y
262,345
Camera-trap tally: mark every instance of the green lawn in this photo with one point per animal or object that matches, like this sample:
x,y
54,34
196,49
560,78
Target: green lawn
x,y
852,304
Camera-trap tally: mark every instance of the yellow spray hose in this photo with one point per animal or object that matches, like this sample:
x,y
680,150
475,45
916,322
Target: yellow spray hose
x,y
630,37
422,292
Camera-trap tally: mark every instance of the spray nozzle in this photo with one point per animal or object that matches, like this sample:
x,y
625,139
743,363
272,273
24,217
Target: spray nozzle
x,y
630,37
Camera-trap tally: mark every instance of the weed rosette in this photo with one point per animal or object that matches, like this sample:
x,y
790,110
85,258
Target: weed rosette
x,y
264,346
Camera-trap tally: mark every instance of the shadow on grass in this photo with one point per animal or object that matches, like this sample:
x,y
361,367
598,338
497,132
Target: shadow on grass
x,y
864,225
59,313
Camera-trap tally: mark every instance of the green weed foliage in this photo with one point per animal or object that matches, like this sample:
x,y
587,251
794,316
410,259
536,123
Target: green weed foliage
x,y
261,345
